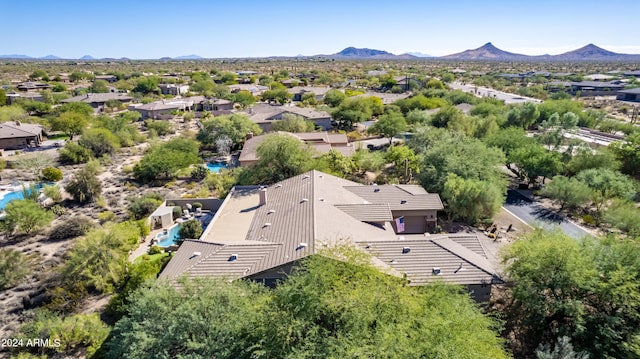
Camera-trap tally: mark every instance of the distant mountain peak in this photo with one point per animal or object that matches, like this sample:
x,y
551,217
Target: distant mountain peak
x,y
51,57
365,53
87,57
188,57
486,52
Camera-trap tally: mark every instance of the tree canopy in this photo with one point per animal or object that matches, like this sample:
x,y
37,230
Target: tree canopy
x,y
236,127
325,309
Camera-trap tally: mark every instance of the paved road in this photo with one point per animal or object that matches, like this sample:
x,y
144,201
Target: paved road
x,y
536,215
480,91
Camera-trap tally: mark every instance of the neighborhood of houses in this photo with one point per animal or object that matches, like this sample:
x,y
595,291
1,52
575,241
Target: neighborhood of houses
x,y
262,233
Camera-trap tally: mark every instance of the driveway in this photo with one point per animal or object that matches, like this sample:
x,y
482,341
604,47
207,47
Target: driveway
x,y
536,215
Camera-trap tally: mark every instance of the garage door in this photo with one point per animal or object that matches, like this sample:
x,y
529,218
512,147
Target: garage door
x,y
415,224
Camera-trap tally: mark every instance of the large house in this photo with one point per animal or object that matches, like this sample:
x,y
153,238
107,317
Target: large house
x,y
261,234
319,142
264,115
97,100
17,135
318,92
632,95
173,89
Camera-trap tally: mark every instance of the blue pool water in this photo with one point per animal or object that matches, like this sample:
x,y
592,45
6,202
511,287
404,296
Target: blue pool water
x,y
216,166
12,196
173,237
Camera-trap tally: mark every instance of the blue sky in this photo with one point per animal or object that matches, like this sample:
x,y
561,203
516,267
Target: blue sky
x,y
237,28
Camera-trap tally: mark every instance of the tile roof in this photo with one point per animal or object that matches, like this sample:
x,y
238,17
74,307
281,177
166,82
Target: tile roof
x,y
367,212
17,130
98,97
264,113
302,214
417,256
399,197
631,91
321,142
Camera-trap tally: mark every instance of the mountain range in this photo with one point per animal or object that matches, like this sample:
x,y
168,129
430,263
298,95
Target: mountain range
x,y
487,52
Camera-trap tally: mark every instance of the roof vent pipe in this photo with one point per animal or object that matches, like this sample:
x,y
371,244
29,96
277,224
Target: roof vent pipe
x,y
263,196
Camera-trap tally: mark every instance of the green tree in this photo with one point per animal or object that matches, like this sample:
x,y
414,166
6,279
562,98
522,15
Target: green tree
x,y
628,153
143,206
162,128
606,184
77,107
334,98
26,216
586,290
244,98
74,153
100,141
191,229
468,158
236,127
567,192
523,115
325,309
281,157
471,200
534,161
279,96
165,159
293,123
100,86
389,125
405,162
84,187
335,163
357,109
71,123
586,158
99,261
3,97
146,85
14,266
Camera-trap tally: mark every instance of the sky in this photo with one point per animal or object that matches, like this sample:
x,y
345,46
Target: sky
x,y
144,29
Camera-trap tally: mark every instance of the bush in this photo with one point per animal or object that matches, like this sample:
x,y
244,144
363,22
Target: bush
x,y
52,192
74,153
74,227
177,212
51,174
58,210
85,186
155,250
72,333
191,229
107,216
196,205
589,220
143,206
199,173
161,128
14,266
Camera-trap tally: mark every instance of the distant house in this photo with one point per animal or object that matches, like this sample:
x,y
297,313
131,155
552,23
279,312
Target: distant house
x,y
387,98
632,95
172,89
264,115
97,100
261,234
320,142
162,110
255,90
595,88
32,86
108,78
30,96
215,105
17,135
635,73
318,92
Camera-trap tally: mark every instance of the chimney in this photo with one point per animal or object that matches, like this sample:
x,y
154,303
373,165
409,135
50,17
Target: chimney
x,y
263,196
249,135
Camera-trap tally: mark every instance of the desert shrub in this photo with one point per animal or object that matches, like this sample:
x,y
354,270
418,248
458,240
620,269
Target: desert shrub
x,y
107,216
143,206
74,153
74,227
199,173
14,266
589,220
76,334
51,174
196,205
155,249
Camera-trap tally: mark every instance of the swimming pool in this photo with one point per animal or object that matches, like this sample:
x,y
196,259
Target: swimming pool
x,y
14,195
172,237
216,166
